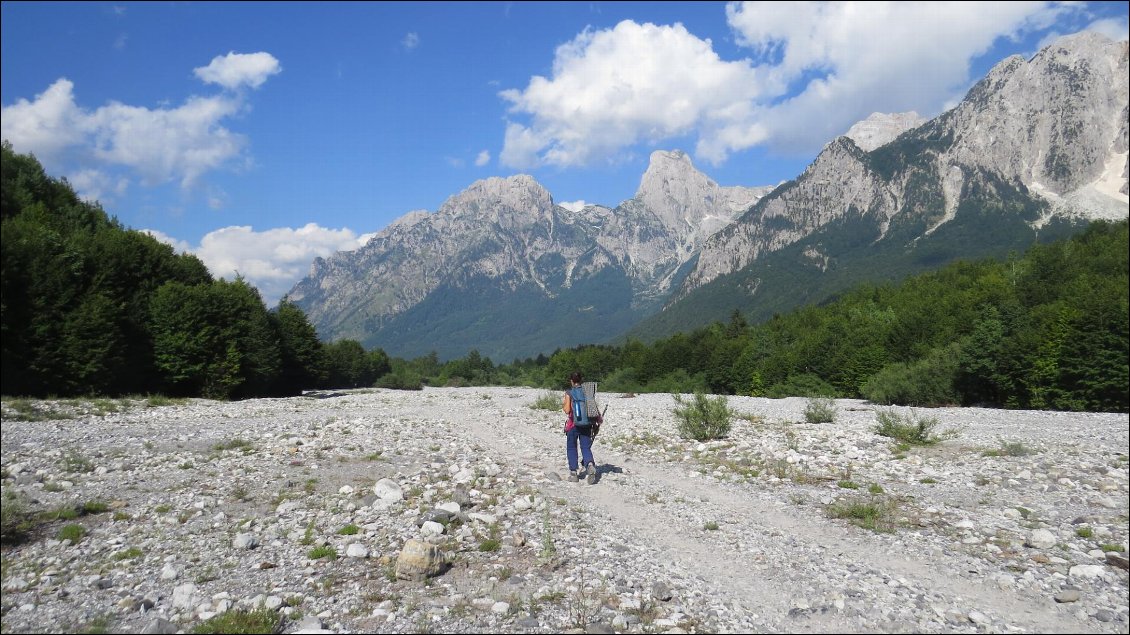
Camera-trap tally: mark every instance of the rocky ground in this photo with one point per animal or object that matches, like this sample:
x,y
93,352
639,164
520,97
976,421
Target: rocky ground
x,y
448,510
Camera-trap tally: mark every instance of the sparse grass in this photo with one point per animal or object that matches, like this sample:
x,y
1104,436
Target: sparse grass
x,y
74,462
308,535
325,551
95,507
72,532
1010,448
912,428
156,401
820,410
1106,546
34,410
1084,532
128,554
261,620
875,488
162,509
848,484
490,545
374,456
710,526
548,549
878,515
547,401
349,530
927,481
16,519
235,444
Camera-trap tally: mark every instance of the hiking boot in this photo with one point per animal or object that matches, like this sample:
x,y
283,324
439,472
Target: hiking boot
x,y
572,476
591,478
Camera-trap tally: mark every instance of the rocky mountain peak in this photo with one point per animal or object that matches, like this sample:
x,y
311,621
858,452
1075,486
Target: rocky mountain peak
x,y
687,201
881,128
518,192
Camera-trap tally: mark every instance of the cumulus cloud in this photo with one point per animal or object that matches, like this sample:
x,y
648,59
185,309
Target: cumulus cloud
x,y
814,70
237,69
633,83
156,145
483,158
273,260
410,41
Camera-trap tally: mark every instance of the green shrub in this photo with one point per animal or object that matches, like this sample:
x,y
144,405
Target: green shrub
x,y
911,428
820,410
72,532
404,380
325,551
704,418
875,514
261,620
803,385
16,520
547,401
349,530
929,381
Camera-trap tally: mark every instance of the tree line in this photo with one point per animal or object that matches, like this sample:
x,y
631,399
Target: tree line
x,y
90,307
1044,330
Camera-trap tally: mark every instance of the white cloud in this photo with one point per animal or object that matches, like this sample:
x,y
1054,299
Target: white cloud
x,y
851,59
614,88
273,260
236,69
816,68
179,245
573,206
483,158
157,145
96,185
410,41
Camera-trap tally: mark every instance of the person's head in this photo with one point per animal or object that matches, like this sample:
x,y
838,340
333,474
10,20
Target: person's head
x,y
576,379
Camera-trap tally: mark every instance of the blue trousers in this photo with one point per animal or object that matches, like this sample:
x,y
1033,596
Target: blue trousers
x,y
581,436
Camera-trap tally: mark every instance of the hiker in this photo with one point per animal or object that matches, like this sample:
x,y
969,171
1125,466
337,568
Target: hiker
x,y
578,430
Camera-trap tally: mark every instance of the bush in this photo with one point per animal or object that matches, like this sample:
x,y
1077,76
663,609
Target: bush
x,y
704,418
929,381
910,428
16,520
820,410
401,381
806,385
547,401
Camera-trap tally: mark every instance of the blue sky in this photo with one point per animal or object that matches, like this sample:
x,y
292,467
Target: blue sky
x,y
261,135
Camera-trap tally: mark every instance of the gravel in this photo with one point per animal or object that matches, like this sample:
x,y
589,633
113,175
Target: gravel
x,y
448,510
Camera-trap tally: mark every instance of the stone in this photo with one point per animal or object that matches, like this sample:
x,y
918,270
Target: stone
x,y
419,560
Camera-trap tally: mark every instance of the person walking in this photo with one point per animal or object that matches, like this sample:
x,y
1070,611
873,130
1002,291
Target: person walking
x,y
578,431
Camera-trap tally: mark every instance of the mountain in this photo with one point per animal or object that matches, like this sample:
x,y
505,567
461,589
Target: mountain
x,y
1036,150
502,269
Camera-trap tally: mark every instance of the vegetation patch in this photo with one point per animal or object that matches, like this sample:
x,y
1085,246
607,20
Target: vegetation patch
x,y
703,418
260,620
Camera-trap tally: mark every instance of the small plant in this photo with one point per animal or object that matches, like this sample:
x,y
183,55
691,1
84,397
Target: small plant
x,y
490,544
1084,532
848,484
710,526
911,428
95,507
162,509
120,515
927,481
548,550
72,532
325,551
374,456
128,554
349,530
75,462
703,419
308,536
16,521
1106,546
875,489
820,410
261,620
874,514
1010,448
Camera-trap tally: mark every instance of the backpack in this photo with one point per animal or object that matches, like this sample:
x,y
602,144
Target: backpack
x,y
580,407
586,411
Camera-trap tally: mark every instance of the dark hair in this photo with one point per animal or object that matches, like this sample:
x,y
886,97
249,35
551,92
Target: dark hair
x,y
576,379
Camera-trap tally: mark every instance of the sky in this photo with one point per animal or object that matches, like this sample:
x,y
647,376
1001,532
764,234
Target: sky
x,y
262,135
